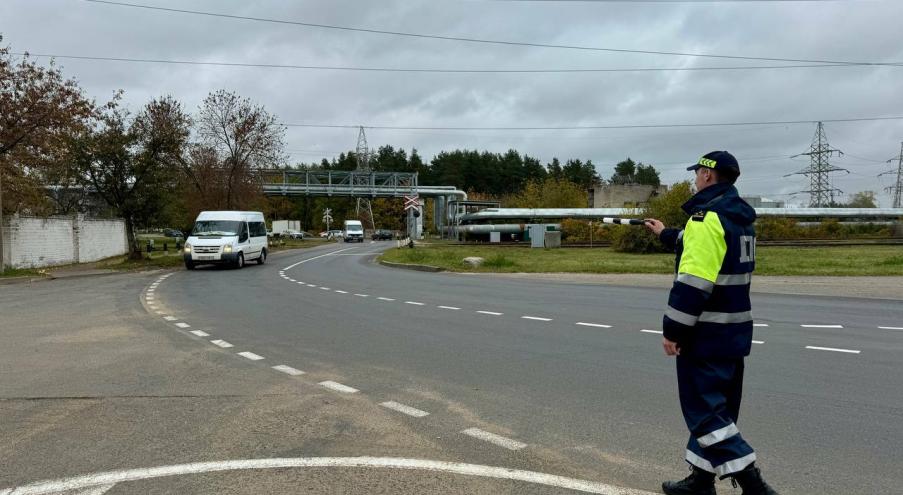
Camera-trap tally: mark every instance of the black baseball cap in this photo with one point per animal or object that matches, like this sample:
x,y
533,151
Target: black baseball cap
x,y
717,160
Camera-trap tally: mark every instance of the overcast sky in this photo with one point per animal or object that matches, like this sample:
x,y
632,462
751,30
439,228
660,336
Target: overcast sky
x,y
862,31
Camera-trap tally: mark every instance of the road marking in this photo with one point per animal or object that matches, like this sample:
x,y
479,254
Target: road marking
x,y
150,291
832,349
494,439
362,295
95,490
449,307
341,291
652,331
338,387
221,343
170,318
250,355
385,299
822,326
491,313
315,257
183,325
760,324
325,288
111,477
159,312
200,333
537,318
410,411
292,280
288,370
598,325
312,285
891,328
415,303
758,342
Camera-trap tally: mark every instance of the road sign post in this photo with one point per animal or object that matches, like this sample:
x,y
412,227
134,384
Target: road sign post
x,y
411,204
327,217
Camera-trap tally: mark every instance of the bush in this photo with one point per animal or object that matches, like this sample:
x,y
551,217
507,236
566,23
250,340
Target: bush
x,y
666,208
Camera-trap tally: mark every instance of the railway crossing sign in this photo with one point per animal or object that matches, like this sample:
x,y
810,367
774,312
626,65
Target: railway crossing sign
x,y
411,202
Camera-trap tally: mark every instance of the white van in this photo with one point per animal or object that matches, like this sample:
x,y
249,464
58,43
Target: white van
x,y
226,237
354,231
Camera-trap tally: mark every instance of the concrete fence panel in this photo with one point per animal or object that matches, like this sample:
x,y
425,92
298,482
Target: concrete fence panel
x,y
36,242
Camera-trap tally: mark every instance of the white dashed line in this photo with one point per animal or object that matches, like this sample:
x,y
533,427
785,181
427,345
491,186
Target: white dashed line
x,y
760,324
325,288
150,291
221,343
170,318
292,280
822,326
338,387
494,439
597,325
415,303
362,295
891,328
410,411
200,333
653,331
250,355
183,325
758,342
312,285
159,312
288,370
385,299
832,349
449,307
341,291
490,313
537,318
300,283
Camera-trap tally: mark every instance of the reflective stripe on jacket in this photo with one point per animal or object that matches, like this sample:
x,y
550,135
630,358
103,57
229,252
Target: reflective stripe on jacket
x,y
709,313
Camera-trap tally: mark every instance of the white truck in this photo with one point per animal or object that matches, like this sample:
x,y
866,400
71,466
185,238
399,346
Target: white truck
x,y
280,226
354,231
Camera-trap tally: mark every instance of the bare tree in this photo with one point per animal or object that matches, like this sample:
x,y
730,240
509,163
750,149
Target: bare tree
x,y
243,136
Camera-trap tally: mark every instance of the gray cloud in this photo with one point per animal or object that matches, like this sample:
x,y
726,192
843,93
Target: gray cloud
x,y
861,31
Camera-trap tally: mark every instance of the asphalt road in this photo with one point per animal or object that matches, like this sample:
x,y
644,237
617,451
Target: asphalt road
x,y
577,388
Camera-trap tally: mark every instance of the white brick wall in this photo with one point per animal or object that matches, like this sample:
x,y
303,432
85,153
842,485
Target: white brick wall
x,y
34,242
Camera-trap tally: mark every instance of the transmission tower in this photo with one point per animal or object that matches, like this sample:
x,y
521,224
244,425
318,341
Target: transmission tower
x,y
821,192
897,188
364,209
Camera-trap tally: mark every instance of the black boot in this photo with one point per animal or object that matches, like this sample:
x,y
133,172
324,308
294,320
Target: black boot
x,y
698,483
750,480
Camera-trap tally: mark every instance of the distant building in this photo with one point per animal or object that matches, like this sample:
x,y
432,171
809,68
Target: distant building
x,y
760,202
623,195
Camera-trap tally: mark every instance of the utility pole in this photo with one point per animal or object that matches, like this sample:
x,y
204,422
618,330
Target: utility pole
x,y
897,188
821,192
364,209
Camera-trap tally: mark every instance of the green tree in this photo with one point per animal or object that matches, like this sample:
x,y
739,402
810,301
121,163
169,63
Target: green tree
x,y
133,163
549,193
862,199
647,175
625,172
554,169
580,173
667,208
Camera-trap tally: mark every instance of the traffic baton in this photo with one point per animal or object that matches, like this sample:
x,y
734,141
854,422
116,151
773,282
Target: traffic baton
x,y
623,221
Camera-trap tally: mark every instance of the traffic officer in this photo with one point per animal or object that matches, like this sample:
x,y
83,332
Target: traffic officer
x,y
708,326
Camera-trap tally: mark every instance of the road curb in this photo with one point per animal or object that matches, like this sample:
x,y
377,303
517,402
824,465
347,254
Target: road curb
x,y
407,266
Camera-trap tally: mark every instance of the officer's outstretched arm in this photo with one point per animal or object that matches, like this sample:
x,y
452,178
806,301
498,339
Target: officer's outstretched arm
x,y
704,248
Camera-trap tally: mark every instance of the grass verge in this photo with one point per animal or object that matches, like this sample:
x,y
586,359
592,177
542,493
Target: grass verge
x,y
771,260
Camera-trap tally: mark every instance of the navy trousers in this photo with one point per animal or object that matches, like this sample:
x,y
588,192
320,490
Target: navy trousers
x,y
710,392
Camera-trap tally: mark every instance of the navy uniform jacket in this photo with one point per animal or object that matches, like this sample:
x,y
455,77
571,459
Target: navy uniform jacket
x,y
708,311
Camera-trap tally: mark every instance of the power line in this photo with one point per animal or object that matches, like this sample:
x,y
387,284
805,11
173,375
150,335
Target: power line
x,y
821,191
479,40
431,70
587,127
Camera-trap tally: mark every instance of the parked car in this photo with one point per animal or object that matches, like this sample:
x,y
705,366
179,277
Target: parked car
x,y
172,233
332,234
382,235
293,234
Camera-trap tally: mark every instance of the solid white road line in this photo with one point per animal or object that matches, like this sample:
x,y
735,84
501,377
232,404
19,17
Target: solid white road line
x,y
385,299
891,328
111,477
822,326
250,355
758,342
200,333
491,313
537,318
410,411
221,343
760,324
170,318
94,490
183,325
314,258
362,295
494,439
597,325
288,370
449,307
653,331
415,303
832,349
338,387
